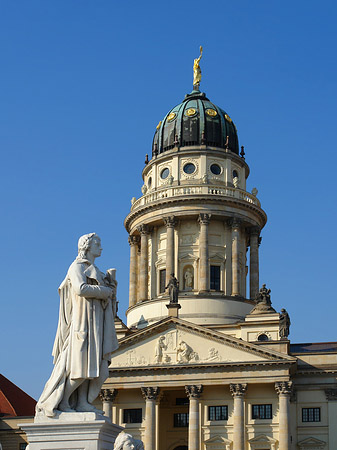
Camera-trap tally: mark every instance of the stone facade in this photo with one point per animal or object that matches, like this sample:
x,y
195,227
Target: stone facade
x,y
217,371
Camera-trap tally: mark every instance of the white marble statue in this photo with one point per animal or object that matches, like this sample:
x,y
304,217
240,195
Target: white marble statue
x,y
125,441
85,336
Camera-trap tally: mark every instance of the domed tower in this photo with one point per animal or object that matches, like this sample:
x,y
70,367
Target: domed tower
x,y
195,220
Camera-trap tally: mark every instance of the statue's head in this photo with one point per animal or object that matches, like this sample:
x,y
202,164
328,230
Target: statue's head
x,y
85,242
124,441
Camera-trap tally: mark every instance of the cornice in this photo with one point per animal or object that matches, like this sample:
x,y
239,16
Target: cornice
x,y
190,199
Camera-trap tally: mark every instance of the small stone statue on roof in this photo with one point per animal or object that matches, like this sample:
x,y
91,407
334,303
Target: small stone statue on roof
x,y
173,287
263,302
284,324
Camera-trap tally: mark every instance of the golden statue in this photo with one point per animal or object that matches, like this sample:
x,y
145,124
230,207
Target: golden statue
x,y
197,70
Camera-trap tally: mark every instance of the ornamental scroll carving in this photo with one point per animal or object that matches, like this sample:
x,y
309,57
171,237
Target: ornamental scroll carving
x,y
238,389
194,391
284,387
150,393
108,395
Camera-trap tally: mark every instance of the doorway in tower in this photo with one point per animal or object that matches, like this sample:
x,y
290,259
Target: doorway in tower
x,y
173,420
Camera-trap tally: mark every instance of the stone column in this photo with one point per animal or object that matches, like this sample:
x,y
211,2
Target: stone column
x,y
144,231
150,394
107,397
284,390
170,224
254,262
203,246
134,242
193,392
236,223
238,392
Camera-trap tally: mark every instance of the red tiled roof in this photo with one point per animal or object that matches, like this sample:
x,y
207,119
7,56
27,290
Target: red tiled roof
x,y
14,401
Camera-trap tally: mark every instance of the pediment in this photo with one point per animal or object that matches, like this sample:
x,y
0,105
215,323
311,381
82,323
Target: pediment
x,y
217,440
173,342
311,443
261,439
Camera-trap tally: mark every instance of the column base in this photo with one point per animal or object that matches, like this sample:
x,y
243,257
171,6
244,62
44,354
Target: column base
x,y
70,431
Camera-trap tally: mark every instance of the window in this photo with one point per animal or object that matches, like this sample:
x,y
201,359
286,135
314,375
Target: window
x,y
132,415
164,173
311,414
235,174
261,412
162,281
180,420
189,168
218,412
183,401
23,446
262,338
215,278
216,169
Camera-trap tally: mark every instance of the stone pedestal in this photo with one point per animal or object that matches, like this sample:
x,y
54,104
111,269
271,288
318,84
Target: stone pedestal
x,y
71,431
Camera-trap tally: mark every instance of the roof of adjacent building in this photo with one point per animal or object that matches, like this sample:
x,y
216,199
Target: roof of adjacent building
x,y
195,121
314,347
14,401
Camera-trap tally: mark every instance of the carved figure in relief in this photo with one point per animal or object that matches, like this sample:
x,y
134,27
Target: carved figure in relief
x,y
173,287
86,335
160,346
188,277
284,324
183,352
213,355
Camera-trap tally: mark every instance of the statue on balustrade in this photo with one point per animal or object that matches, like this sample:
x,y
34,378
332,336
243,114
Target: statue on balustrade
x,y
284,324
85,337
173,287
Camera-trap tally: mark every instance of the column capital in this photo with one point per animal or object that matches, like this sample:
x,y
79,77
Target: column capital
x,y
284,387
170,221
238,389
108,395
150,393
144,229
254,231
193,390
204,218
331,394
133,240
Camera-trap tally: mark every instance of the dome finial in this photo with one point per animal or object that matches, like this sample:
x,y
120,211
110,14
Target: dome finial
x,y
197,72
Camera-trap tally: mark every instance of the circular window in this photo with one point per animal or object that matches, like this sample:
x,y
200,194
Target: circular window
x,y
235,174
191,112
165,173
149,182
216,169
228,118
189,168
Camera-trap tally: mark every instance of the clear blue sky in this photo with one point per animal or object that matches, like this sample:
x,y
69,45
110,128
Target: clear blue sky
x,y
83,85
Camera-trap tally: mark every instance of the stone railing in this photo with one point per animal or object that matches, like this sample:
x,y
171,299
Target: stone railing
x,y
180,191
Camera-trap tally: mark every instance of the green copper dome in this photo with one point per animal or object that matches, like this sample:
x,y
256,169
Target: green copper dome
x,y
195,121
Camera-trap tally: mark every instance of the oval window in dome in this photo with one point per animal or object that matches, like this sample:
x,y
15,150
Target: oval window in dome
x,y
189,168
190,112
211,112
263,338
171,116
216,169
164,173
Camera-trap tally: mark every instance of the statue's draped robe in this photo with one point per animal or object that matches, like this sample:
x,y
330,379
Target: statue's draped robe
x,y
85,336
